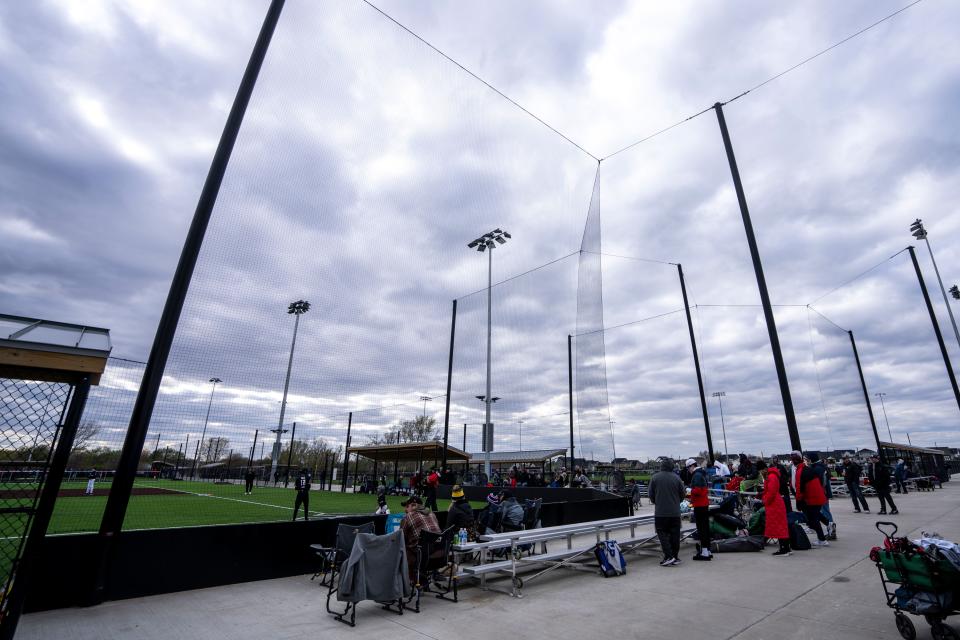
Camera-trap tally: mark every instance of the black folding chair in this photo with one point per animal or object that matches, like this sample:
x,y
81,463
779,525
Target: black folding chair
x,y
332,557
434,567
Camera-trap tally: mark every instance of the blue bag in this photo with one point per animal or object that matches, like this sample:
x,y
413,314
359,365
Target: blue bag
x,y
610,557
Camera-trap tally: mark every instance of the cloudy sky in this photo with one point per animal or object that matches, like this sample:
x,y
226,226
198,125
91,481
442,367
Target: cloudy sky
x,y
367,161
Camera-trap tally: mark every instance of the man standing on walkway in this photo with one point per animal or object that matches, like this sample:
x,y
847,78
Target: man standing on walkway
x,y
899,475
810,496
700,501
665,493
825,516
851,477
879,477
302,487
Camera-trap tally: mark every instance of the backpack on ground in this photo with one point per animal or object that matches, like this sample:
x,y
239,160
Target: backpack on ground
x,y
798,538
610,557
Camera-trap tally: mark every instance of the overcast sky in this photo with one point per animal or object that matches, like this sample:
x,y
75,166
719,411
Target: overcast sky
x,y
367,161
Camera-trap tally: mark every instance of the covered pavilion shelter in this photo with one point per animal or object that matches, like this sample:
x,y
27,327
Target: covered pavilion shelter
x,y
925,462
526,459
431,451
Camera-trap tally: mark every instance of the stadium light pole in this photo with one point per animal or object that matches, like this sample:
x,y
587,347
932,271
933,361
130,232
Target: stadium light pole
x,y
885,418
920,233
203,433
719,395
489,241
486,434
295,309
425,399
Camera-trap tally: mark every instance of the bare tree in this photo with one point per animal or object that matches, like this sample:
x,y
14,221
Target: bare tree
x,y
87,431
215,447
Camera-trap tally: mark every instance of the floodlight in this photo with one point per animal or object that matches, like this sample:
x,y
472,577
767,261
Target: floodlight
x,y
506,235
917,230
955,292
482,248
480,398
500,240
473,244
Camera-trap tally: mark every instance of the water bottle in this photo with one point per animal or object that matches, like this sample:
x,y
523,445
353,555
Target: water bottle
x,y
463,536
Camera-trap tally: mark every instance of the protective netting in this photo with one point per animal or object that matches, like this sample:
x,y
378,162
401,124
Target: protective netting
x,y
594,431
31,413
366,163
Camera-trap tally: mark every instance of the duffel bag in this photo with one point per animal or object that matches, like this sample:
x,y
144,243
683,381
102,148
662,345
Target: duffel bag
x,y
740,543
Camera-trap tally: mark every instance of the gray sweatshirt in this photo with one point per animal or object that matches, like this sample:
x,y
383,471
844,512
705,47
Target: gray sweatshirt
x,y
666,492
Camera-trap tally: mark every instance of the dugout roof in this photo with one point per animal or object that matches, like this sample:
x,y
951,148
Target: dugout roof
x,y
33,349
409,451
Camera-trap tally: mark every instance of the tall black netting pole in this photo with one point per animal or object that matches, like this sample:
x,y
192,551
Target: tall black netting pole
x,y
119,497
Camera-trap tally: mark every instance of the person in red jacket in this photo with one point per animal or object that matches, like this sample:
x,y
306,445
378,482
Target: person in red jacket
x,y
775,512
810,496
700,501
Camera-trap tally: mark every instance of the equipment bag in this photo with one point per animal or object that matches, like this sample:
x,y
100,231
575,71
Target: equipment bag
x,y
740,543
730,522
798,538
610,557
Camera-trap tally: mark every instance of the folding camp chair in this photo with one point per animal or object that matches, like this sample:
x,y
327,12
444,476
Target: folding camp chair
x,y
434,568
332,557
376,569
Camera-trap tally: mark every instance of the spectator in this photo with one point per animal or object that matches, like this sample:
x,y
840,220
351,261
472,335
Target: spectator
x,y
666,492
635,493
700,501
775,515
899,475
851,477
417,518
511,510
460,514
825,516
723,471
433,481
583,481
784,485
879,477
810,496
748,471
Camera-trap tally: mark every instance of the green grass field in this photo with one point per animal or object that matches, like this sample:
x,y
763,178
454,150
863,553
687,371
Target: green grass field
x,y
204,503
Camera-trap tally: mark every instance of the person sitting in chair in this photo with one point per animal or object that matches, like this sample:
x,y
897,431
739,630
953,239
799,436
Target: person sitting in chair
x,y
512,518
460,514
418,518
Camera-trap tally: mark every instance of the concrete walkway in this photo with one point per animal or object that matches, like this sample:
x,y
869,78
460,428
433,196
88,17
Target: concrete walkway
x,y
822,593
